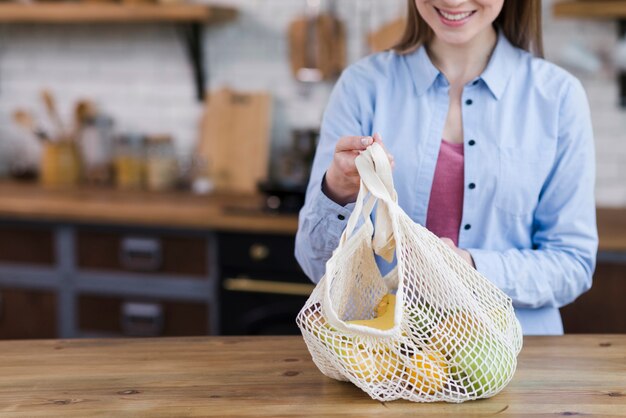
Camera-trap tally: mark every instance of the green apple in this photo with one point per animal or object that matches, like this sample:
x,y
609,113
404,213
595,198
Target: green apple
x,y
424,317
486,365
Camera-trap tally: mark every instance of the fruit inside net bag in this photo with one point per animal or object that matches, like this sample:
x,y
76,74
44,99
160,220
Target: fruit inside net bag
x,y
432,329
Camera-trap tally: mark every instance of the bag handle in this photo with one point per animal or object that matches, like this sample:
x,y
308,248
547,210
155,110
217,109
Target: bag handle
x,y
376,178
376,185
378,170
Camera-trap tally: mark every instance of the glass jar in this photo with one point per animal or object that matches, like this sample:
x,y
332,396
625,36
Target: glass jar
x,y
95,139
161,163
129,162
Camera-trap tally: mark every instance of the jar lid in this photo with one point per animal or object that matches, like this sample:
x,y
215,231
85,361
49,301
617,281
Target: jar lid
x,y
158,139
130,139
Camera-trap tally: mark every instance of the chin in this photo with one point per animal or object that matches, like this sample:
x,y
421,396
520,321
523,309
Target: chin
x,y
457,38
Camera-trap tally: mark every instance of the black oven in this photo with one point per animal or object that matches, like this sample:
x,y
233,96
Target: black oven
x,y
262,288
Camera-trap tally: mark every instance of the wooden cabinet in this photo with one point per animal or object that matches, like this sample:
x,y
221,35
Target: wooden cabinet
x,y
97,280
128,316
160,254
27,314
25,244
602,309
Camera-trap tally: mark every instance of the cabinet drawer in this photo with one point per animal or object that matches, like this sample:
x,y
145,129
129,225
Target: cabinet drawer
x,y
262,304
142,252
26,244
27,314
255,253
120,316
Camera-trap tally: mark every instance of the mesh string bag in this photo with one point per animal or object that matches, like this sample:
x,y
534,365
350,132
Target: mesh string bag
x,y
432,329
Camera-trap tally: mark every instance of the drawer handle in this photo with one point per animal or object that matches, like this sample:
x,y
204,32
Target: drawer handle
x,y
140,254
259,252
243,284
142,319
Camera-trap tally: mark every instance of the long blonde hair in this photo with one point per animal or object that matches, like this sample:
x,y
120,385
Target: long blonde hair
x,y
520,20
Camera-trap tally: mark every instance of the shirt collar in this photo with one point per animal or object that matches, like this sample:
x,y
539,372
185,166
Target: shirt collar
x,y
503,61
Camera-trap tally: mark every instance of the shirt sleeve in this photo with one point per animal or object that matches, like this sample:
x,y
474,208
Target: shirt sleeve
x,y
560,265
321,220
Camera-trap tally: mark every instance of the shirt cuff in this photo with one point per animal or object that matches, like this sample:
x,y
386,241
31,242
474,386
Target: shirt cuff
x,y
489,264
334,215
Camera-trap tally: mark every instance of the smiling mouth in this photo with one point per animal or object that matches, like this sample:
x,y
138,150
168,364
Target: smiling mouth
x,y
455,17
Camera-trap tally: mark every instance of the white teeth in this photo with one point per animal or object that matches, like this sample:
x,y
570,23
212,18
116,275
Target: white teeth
x,y
455,17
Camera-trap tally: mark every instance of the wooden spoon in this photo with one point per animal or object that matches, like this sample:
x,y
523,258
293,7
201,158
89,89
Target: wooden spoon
x,y
26,120
51,108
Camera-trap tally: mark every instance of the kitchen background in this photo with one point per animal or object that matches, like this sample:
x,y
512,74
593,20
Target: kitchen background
x,y
140,74
96,261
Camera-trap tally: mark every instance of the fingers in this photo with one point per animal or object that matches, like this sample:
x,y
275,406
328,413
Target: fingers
x,y
346,164
353,143
379,140
342,177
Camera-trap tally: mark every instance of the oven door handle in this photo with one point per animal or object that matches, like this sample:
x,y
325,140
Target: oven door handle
x,y
245,284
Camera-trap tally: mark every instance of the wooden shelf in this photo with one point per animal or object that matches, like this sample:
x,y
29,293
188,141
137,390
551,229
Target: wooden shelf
x,y
588,9
111,13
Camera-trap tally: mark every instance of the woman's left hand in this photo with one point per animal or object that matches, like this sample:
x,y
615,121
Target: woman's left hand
x,y
465,255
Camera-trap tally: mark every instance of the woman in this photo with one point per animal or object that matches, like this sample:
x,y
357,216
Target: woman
x,y
492,148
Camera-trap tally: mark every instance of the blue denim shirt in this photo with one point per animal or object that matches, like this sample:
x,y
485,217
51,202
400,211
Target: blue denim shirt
x,y
529,221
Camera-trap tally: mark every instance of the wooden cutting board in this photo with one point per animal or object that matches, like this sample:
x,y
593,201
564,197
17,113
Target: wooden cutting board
x,y
318,42
235,139
387,36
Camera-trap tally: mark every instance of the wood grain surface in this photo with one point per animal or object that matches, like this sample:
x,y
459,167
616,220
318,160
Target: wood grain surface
x,y
236,153
158,209
94,12
597,9
182,209
274,376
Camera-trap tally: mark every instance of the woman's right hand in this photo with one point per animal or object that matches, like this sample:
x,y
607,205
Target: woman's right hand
x,y
341,183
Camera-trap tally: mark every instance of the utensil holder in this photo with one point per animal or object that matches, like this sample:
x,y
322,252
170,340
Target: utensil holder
x,y
60,165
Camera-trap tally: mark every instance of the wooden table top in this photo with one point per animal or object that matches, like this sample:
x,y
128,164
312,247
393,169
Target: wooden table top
x,y
274,376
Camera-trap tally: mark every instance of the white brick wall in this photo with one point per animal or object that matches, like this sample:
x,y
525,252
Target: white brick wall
x,y
140,74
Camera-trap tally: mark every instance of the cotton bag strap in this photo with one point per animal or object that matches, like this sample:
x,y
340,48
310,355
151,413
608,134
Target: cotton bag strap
x,y
376,185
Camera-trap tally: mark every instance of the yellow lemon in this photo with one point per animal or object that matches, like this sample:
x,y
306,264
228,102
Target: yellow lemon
x,y
427,373
360,362
385,311
388,365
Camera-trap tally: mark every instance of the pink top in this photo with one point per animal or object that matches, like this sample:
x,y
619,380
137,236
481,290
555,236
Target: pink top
x,y
445,207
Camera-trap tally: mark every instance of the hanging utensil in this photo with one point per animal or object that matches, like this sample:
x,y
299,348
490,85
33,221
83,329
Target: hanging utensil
x,y
26,120
51,108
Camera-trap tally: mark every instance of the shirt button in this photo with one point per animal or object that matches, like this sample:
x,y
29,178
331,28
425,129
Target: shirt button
x,y
472,186
341,217
475,82
472,142
469,102
467,227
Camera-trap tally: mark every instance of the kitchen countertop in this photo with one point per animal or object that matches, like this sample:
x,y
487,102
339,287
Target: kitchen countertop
x,y
158,209
185,210
274,376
